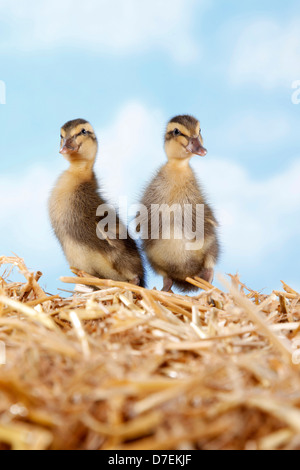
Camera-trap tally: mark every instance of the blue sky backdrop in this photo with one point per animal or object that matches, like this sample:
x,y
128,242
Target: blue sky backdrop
x,y
129,66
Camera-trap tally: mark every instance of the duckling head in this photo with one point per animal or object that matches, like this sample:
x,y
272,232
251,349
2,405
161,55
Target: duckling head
x,y
183,138
78,142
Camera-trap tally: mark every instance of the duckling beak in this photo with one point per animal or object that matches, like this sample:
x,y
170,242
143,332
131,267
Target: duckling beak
x,y
68,147
195,147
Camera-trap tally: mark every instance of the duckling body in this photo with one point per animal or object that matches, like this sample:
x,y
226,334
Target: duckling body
x,y
175,185
73,207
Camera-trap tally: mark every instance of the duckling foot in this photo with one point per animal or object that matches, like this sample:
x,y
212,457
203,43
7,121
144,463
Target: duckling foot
x,y
207,275
136,281
168,283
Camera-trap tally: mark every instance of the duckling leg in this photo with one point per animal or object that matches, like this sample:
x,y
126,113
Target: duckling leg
x,y
168,283
207,274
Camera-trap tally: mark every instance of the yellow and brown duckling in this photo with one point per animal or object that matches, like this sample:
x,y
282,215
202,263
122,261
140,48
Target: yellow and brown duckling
x,y
174,257
73,207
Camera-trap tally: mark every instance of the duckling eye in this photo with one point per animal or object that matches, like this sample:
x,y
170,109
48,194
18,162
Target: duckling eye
x,y
84,132
177,132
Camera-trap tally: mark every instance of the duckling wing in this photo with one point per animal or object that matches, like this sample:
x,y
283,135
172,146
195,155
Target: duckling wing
x,y
111,233
209,216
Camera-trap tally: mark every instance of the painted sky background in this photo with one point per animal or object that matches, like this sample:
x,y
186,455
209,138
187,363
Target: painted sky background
x,y
129,66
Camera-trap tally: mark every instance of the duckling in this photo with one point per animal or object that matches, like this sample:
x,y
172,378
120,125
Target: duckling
x,y
175,184
73,206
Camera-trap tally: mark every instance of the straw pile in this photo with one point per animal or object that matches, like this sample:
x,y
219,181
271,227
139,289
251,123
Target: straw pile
x,y
128,368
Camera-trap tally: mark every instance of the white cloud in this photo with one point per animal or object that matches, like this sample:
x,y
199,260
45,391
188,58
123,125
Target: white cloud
x,y
267,54
255,129
103,26
258,218
24,224
130,150
23,217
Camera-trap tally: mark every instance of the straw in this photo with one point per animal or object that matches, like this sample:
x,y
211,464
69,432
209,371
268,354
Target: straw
x,y
128,368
